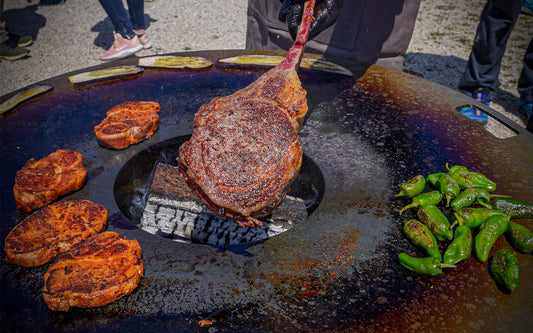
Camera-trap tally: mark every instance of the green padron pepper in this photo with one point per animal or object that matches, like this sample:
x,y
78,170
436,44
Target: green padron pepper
x,y
420,236
467,179
520,237
433,178
436,221
412,187
449,188
423,199
461,246
505,269
472,217
516,208
473,195
427,266
489,232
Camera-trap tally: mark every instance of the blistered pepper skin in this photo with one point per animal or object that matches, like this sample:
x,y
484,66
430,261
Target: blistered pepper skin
x,y
516,208
489,232
436,221
470,196
472,217
466,179
460,248
433,178
421,237
449,188
427,266
520,237
412,187
505,269
424,199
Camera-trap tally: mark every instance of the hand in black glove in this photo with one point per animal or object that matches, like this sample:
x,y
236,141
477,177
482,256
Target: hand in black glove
x,y
325,14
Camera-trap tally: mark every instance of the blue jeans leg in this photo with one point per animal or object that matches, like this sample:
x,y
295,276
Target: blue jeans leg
x,y
496,23
119,16
525,82
136,10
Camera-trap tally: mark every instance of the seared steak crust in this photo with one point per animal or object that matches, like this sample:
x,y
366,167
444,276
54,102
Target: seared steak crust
x,y
96,272
244,152
128,123
53,229
40,182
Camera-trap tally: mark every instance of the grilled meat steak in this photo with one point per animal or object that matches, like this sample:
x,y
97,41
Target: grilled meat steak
x,y
40,182
244,152
128,123
96,272
53,229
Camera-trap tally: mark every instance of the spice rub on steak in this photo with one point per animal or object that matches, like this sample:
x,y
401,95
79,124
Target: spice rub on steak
x,y
128,123
244,152
40,182
53,229
96,272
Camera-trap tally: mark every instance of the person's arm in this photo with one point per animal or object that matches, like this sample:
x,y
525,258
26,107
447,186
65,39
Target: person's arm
x,y
325,15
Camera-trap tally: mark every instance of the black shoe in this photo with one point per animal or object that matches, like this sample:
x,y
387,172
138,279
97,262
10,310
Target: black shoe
x,y
20,41
12,53
24,41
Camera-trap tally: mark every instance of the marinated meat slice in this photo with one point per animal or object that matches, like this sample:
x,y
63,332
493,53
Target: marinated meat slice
x,y
128,123
53,229
244,152
96,272
40,182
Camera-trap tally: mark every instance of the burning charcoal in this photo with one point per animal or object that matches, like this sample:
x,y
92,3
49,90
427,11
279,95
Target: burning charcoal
x,y
173,211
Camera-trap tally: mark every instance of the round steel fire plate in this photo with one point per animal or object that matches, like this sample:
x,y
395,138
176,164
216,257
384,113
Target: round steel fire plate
x,y
365,135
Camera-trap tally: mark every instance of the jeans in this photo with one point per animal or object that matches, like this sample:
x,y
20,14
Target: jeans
x,y
125,21
496,23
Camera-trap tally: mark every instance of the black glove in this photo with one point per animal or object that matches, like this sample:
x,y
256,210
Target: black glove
x,y
325,14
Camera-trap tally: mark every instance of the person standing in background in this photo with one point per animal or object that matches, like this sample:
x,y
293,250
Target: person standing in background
x,y
129,28
480,78
367,31
11,46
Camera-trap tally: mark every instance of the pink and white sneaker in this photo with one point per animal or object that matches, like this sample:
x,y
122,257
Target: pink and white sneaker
x,y
143,38
146,43
122,47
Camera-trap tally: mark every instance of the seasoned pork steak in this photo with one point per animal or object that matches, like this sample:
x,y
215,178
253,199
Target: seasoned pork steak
x,y
53,229
96,272
128,123
244,152
40,182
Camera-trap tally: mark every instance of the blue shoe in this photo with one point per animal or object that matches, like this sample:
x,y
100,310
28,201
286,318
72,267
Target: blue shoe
x,y
527,106
473,113
527,8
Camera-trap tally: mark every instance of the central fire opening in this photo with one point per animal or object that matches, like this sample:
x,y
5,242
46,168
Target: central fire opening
x,y
151,193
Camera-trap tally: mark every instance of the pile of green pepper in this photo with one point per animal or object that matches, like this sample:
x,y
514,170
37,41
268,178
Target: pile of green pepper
x,y
466,197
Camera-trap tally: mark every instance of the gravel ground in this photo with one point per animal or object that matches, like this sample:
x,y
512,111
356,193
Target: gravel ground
x,y
72,35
